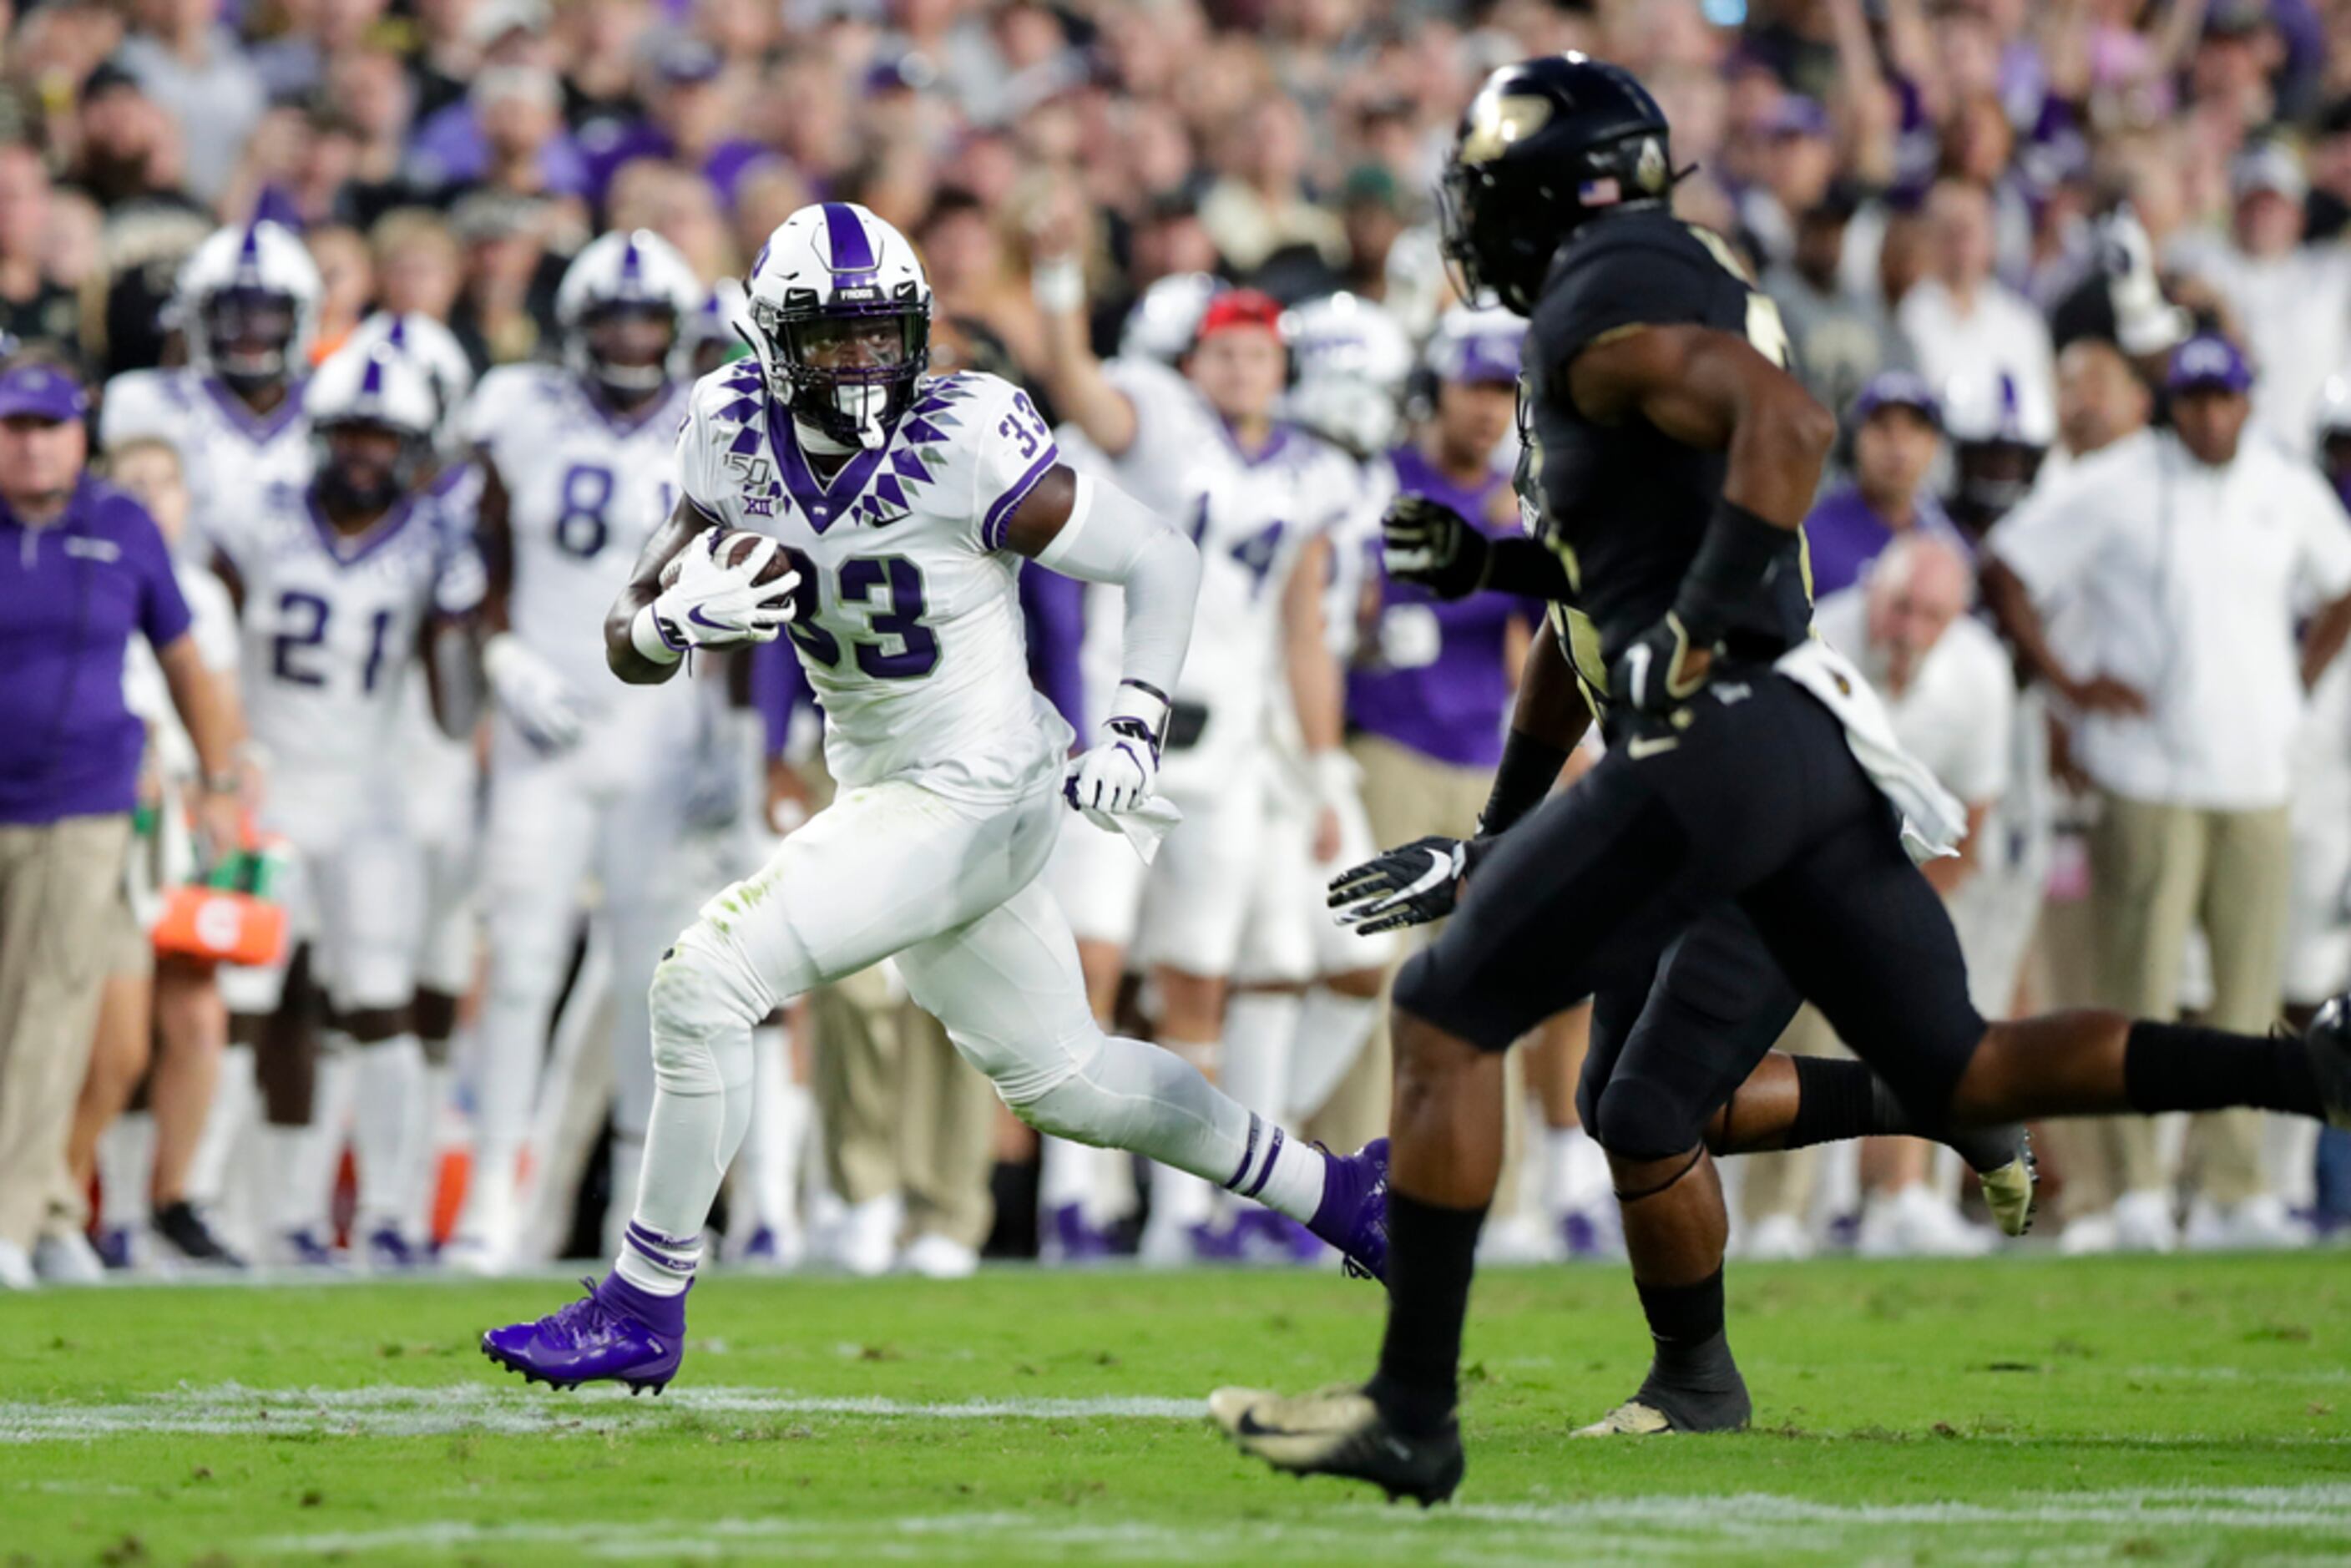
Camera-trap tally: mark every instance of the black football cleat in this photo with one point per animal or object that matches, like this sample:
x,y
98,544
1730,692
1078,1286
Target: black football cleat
x,y
1341,1432
2328,1041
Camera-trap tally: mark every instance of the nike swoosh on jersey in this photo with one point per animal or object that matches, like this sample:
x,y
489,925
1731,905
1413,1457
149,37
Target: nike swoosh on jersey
x,y
1651,746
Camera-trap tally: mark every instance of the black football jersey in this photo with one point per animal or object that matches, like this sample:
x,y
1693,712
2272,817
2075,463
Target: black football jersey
x,y
1624,505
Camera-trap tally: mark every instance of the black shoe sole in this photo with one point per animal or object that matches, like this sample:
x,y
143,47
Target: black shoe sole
x,y
636,1385
1429,1476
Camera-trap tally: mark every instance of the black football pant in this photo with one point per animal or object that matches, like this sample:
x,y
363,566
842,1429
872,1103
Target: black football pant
x,y
1693,884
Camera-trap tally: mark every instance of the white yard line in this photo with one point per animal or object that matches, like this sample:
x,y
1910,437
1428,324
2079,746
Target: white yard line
x,y
1636,1529
231,1409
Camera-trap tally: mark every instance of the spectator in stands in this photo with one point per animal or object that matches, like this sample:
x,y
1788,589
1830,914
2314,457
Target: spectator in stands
x,y
192,67
418,264
1841,336
82,570
1963,323
1895,427
34,308
2191,553
2292,300
692,116
1260,209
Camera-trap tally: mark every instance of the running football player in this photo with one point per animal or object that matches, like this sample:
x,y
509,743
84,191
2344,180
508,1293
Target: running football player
x,y
1670,461
903,506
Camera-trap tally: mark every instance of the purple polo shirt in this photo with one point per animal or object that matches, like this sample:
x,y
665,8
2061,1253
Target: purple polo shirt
x,y
71,594
1438,679
1845,535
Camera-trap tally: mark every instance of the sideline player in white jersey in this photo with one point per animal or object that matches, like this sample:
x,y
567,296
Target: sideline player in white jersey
x,y
1202,445
587,775
444,780
341,588
903,507
247,305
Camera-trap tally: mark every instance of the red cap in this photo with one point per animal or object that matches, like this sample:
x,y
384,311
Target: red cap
x,y
1239,308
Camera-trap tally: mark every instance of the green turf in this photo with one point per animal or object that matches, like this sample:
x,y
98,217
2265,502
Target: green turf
x,y
2020,1409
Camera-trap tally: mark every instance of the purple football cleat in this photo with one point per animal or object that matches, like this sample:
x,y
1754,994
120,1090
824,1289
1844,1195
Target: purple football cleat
x,y
390,1252
617,1332
1354,1213
304,1248
1070,1238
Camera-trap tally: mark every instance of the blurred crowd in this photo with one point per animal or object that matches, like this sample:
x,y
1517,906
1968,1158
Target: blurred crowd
x,y
2075,273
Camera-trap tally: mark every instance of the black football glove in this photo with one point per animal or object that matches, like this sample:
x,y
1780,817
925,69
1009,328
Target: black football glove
x,y
1644,677
1409,886
1427,542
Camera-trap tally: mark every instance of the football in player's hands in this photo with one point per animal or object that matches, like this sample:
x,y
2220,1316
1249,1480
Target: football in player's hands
x,y
731,548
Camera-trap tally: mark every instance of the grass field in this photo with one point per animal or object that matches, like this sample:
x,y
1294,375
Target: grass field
x,y
2026,1410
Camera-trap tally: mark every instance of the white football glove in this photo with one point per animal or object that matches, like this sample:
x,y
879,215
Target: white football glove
x,y
532,693
1121,770
715,606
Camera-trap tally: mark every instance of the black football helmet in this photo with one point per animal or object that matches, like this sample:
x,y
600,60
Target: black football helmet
x,y
1545,145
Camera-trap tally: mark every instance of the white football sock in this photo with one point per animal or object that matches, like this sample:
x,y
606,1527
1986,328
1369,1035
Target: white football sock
x,y
1259,1027
771,1148
388,1079
626,1164
1332,1029
233,1110
421,1201
286,1165
1066,1175
1575,1172
125,1171
312,1198
1179,1198
1154,1103
703,1001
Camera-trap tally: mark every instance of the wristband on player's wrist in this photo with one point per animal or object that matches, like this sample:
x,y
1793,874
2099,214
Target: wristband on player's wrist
x,y
1739,551
1528,769
1144,704
650,635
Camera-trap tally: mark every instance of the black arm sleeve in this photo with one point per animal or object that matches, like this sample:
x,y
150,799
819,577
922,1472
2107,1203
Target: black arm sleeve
x,y
1528,768
1524,565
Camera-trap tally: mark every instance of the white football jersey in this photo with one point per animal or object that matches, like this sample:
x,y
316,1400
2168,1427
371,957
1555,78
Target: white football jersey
x,y
229,456
909,625
1251,516
331,625
584,492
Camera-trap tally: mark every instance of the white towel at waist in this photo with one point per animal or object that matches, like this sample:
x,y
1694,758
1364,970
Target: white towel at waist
x,y
1933,819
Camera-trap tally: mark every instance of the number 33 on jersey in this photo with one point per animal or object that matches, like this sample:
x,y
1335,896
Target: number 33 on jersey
x,y
909,619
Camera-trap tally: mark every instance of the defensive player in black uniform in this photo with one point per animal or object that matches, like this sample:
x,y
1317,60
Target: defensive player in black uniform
x,y
1670,461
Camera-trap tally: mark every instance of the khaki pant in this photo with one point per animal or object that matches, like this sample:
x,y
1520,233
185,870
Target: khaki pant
x,y
2156,870
1407,795
59,886
2099,1158
901,1110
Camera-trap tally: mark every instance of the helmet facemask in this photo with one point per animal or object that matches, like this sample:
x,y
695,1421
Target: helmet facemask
x,y
626,348
355,476
249,336
846,369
